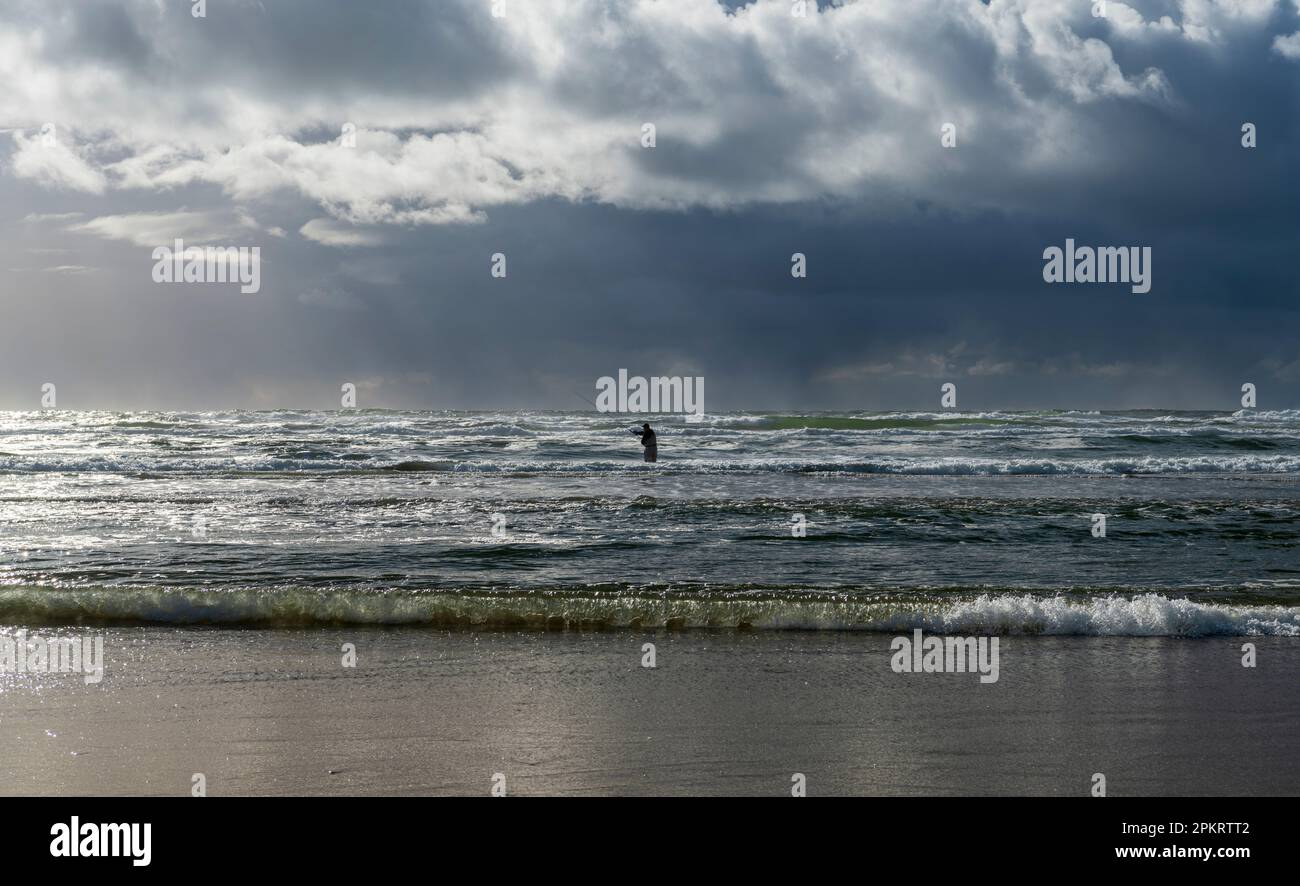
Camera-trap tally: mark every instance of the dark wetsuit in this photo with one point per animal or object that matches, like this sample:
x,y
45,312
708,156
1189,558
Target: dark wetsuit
x,y
650,442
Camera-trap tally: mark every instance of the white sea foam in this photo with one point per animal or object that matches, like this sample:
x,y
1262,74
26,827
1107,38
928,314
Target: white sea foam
x,y
1140,615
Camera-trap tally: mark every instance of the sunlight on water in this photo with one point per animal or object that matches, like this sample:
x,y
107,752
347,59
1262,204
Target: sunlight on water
x,y
412,516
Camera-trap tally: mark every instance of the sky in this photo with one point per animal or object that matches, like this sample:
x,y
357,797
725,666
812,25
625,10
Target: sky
x,y
380,154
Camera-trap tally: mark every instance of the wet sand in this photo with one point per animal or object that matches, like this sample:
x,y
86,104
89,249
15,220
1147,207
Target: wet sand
x,y
723,713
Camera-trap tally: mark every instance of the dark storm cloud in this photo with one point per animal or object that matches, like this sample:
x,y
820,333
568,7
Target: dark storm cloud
x,y
520,136
332,48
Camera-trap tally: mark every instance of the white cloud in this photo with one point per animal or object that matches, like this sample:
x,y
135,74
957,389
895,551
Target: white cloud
x,y
751,106
152,229
1287,45
48,160
37,218
332,233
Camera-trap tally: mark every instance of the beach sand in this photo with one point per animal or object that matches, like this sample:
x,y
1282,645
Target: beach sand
x,y
261,711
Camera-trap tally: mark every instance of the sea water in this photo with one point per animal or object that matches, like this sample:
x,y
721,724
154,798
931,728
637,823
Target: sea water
x,y
947,522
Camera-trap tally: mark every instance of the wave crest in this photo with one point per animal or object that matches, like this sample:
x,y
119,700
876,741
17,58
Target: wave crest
x,y
1140,615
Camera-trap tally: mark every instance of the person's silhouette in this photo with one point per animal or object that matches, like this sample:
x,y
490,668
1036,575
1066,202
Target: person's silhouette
x,y
649,441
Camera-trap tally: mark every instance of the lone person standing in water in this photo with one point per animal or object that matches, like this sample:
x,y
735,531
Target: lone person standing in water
x,y
649,441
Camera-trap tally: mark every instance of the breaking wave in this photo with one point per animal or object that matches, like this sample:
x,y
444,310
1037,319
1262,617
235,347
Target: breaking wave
x,y
1079,613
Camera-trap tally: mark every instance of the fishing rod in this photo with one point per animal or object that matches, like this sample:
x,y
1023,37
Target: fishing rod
x,y
585,400
594,406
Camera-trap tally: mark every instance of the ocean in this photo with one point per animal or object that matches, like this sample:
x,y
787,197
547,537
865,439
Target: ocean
x,y
955,522
383,602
